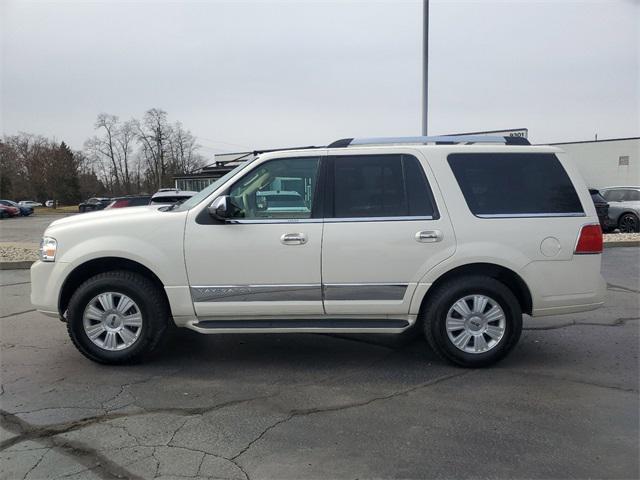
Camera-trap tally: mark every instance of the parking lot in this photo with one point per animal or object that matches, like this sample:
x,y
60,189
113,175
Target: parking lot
x,y
564,404
26,229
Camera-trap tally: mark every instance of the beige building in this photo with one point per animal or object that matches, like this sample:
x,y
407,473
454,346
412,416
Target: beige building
x,y
606,163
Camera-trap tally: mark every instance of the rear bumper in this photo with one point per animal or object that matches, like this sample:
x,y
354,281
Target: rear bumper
x,y
561,287
584,307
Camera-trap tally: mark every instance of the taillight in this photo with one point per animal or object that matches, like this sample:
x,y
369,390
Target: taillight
x,y
590,240
119,204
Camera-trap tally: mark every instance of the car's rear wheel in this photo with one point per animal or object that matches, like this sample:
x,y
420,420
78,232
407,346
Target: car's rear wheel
x,y
117,317
472,321
629,223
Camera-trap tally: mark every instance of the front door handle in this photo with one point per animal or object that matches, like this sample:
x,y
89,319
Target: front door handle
x,y
293,239
429,236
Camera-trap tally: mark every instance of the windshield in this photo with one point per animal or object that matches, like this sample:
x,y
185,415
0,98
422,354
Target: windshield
x,y
201,195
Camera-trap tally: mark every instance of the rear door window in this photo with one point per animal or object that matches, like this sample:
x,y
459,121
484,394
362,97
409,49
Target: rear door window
x,y
515,184
382,186
631,196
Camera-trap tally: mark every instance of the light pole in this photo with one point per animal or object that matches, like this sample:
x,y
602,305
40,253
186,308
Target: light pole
x,y
425,65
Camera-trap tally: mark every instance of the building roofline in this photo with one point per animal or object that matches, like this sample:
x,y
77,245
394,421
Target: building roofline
x,y
487,132
592,141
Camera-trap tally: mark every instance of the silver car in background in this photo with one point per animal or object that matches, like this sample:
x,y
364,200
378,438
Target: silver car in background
x,y
624,207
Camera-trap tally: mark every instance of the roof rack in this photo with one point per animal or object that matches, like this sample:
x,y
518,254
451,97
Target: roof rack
x,y
438,140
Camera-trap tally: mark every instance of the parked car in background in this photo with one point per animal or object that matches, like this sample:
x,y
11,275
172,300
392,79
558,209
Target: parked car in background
x,y
129,201
624,207
24,211
170,196
602,208
10,210
93,204
49,203
4,212
29,203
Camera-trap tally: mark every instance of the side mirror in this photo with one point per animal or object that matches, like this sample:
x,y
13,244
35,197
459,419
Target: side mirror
x,y
220,208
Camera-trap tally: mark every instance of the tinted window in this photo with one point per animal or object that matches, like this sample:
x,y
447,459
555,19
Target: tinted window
x,y
380,186
135,202
514,183
282,188
169,199
613,195
631,196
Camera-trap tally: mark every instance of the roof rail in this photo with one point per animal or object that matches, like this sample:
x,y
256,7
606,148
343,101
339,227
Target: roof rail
x,y
438,140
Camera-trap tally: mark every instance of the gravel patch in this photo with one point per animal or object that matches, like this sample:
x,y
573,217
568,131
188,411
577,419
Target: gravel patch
x,y
18,252
621,237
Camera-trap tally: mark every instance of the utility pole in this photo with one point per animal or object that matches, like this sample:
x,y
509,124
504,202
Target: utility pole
x,y
425,65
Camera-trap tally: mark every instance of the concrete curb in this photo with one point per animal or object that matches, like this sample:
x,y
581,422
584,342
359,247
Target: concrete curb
x,y
19,265
628,243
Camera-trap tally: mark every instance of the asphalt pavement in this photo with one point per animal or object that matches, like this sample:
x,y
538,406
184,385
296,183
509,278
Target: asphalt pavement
x,y
26,230
564,404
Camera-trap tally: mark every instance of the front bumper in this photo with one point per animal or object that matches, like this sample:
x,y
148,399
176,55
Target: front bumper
x,y
46,283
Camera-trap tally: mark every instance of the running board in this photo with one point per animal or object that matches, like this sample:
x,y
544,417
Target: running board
x,y
315,325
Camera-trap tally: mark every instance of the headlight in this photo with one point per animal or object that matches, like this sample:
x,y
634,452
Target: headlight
x,y
48,247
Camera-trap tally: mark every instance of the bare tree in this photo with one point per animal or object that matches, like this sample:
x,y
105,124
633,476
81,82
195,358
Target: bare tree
x,y
126,139
143,153
153,134
113,148
183,150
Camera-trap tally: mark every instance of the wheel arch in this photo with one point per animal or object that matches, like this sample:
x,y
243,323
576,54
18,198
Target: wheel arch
x,y
625,212
508,277
100,265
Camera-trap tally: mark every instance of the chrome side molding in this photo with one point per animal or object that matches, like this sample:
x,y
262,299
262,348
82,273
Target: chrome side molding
x,y
299,292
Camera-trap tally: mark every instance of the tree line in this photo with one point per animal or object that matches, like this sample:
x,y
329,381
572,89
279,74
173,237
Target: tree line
x,y
122,158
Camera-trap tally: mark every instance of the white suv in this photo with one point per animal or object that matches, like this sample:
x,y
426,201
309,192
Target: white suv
x,y
458,236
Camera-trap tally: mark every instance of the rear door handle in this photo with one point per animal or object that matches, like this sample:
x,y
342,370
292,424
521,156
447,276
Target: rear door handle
x,y
429,236
293,239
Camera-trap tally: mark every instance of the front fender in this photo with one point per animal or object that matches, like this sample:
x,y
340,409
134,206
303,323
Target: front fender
x,y
168,266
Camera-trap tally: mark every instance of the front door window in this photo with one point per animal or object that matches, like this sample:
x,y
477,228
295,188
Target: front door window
x,y
282,188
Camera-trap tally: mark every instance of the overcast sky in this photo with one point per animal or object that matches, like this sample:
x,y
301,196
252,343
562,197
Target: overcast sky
x,y
272,73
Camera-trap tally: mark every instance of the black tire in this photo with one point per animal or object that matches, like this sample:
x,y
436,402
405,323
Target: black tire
x,y
629,223
434,317
153,308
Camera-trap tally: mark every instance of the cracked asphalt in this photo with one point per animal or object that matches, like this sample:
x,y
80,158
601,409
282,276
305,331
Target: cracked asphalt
x,y
564,404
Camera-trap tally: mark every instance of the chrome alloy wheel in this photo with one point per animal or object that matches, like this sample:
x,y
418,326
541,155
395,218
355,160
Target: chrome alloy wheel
x,y
112,321
475,323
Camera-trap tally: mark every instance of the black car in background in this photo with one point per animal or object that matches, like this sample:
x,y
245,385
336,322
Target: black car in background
x,y
602,208
93,204
129,201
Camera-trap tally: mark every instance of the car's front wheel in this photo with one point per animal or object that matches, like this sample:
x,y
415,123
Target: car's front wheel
x,y
117,317
472,321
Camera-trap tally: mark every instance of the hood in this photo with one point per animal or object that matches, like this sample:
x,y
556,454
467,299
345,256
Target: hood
x,y
106,215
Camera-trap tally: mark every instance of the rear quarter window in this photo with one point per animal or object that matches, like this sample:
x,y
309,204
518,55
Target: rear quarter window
x,y
515,184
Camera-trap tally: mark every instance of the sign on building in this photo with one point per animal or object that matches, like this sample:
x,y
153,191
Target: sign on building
x,y
514,132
